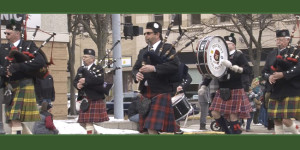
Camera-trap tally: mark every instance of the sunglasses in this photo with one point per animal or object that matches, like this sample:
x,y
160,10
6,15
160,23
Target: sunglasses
x,y
6,33
148,33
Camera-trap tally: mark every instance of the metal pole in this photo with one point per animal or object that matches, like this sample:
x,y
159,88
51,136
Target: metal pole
x,y
117,55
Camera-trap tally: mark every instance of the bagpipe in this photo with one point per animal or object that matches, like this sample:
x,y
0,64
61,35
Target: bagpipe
x,y
151,56
83,72
290,57
19,56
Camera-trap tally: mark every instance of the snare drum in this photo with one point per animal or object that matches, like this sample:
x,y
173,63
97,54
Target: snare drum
x,y
181,106
210,51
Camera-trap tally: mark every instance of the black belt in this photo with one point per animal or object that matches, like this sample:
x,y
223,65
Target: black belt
x,y
21,82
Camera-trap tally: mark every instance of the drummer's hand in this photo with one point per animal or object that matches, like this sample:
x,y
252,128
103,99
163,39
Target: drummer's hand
x,y
139,76
179,88
226,63
147,68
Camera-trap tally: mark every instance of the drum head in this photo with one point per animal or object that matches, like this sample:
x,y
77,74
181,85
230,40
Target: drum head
x,y
177,98
214,50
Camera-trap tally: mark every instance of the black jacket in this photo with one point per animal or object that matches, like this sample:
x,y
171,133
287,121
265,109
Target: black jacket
x,y
21,69
161,80
235,79
94,79
44,88
289,85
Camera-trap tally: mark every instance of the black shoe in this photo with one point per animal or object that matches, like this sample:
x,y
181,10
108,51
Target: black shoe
x,y
179,132
203,126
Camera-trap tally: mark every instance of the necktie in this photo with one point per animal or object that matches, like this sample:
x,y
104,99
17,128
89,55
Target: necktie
x,y
151,49
14,48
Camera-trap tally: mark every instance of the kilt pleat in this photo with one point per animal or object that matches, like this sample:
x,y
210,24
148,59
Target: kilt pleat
x,y
285,109
237,104
161,115
95,113
23,106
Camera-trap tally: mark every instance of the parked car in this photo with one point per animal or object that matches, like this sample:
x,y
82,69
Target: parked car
x,y
128,97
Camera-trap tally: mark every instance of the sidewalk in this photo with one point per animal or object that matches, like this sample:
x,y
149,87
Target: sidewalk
x,y
193,123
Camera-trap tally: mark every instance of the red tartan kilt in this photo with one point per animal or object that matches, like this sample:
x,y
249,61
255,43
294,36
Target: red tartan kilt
x,y
95,113
161,116
237,104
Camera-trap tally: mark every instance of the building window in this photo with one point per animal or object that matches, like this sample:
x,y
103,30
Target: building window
x,y
178,20
159,18
224,18
195,18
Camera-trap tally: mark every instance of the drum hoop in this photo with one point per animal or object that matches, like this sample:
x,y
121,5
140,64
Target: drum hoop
x,y
206,60
179,100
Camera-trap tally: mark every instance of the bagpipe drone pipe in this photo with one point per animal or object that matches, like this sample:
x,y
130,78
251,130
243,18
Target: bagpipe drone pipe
x,y
16,56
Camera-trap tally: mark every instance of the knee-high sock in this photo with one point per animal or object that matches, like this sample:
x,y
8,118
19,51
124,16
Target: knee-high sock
x,y
293,128
16,130
278,129
235,127
223,124
25,130
89,129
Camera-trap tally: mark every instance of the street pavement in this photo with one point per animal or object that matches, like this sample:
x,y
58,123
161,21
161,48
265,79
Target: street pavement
x,y
193,123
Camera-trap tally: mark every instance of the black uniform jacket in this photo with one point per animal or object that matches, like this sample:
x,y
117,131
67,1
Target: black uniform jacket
x,y
94,79
289,85
161,80
22,70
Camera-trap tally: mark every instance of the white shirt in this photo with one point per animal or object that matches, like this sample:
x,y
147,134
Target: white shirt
x,y
17,43
154,46
88,67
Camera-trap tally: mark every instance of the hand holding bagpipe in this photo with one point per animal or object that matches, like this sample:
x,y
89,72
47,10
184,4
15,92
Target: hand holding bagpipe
x,y
157,59
16,56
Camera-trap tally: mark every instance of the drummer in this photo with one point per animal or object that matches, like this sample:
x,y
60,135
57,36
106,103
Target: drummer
x,y
231,101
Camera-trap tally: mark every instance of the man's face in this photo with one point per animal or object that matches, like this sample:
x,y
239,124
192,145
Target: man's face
x,y
231,46
282,42
151,37
88,59
11,35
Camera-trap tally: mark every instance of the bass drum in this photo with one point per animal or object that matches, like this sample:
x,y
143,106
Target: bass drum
x,y
211,50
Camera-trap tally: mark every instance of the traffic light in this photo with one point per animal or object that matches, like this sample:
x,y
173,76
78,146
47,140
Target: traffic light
x,y
129,31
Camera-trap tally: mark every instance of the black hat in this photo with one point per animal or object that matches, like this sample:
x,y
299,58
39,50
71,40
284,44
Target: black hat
x,y
89,52
155,26
230,38
282,33
13,25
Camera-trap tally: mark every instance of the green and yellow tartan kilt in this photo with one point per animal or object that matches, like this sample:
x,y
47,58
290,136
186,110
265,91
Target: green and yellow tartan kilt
x,y
23,106
285,109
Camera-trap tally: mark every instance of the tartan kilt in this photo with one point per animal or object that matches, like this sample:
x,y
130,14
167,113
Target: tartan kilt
x,y
237,104
285,109
161,115
95,113
23,106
